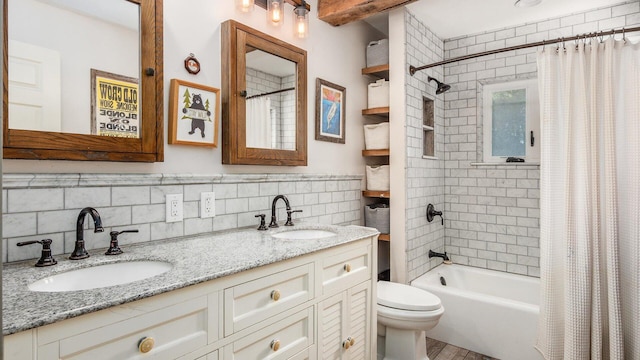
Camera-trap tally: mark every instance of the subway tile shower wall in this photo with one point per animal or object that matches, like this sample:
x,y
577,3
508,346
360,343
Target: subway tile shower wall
x,y
424,177
47,205
493,211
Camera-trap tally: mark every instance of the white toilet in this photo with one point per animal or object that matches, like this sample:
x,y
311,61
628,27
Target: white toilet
x,y
404,314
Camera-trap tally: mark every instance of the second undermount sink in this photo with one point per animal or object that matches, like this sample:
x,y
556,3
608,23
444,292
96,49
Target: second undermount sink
x,y
308,234
101,276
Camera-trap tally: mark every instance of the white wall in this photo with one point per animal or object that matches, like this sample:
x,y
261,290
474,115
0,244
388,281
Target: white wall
x,y
335,54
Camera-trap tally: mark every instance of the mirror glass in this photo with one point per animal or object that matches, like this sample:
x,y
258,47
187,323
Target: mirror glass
x,y
73,67
270,101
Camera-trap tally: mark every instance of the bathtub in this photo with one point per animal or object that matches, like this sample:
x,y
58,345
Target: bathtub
x,y
490,312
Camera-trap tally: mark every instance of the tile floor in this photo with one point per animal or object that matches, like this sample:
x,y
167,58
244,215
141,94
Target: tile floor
x,y
438,350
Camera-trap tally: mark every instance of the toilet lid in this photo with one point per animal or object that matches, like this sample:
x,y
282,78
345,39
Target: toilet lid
x,y
406,297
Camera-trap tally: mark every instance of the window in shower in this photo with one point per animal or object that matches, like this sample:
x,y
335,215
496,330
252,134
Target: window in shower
x,y
511,121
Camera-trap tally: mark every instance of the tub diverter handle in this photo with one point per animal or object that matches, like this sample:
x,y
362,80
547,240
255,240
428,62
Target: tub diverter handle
x,y
432,212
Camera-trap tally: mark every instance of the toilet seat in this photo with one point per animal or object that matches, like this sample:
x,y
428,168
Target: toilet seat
x,y
408,315
406,298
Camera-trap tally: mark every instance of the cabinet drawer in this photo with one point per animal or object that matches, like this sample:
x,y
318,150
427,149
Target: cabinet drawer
x,y
307,354
281,340
251,302
345,269
176,330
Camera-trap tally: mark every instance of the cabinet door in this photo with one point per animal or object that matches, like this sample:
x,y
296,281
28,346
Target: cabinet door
x,y
19,346
344,325
332,314
359,322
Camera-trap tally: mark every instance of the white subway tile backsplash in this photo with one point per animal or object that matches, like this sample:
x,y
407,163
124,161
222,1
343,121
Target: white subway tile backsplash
x,y
124,205
192,192
35,200
81,197
162,230
48,221
197,225
130,195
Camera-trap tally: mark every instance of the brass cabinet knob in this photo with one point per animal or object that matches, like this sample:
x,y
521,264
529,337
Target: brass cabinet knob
x,y
275,295
275,345
347,267
346,344
146,344
352,341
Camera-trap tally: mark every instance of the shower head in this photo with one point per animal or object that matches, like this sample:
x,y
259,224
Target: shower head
x,y
442,87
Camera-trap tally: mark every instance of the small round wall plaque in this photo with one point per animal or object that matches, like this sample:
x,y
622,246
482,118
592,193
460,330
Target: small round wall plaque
x,y
192,64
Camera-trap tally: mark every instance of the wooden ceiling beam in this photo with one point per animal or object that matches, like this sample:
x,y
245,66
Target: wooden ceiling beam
x,y
340,12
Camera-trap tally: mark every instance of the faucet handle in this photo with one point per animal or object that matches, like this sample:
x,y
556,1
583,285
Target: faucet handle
x,y
263,225
45,258
289,212
114,248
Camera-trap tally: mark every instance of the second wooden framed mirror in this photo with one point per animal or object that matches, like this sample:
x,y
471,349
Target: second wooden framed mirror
x,y
264,99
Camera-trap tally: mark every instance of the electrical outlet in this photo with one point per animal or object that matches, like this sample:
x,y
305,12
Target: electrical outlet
x,y
207,205
174,207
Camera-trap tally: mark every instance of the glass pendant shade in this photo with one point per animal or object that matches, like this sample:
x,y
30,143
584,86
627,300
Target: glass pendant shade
x,y
301,21
245,5
275,12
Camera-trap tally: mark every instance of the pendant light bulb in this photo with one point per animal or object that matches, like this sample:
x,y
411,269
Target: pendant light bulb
x,y
245,5
301,21
275,10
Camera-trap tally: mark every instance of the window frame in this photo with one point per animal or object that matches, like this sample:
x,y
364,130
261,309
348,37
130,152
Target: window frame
x,y
532,153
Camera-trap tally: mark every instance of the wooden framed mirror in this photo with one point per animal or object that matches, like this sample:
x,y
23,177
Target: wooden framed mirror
x,y
96,89
264,99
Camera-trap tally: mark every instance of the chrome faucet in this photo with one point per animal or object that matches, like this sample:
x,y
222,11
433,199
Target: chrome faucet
x,y
80,252
273,223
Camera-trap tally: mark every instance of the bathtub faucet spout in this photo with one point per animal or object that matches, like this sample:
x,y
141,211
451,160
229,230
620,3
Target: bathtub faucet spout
x,y
440,255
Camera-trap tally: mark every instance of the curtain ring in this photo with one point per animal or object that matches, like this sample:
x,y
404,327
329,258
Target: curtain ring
x,y
623,37
542,45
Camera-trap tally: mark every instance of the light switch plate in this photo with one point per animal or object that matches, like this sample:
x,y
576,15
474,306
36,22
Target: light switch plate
x,y
207,205
174,208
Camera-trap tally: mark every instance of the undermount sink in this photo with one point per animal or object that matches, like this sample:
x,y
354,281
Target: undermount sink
x,y
303,234
101,276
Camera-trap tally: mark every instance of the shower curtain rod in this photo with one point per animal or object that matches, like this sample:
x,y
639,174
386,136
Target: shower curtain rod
x,y
270,93
413,69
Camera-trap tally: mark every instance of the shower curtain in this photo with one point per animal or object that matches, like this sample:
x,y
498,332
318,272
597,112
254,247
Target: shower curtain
x,y
590,201
259,123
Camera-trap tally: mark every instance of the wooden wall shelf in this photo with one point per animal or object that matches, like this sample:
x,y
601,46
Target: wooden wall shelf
x,y
376,111
380,71
384,237
380,152
376,194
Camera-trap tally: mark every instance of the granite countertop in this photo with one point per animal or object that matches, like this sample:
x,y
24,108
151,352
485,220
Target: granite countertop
x,y
194,259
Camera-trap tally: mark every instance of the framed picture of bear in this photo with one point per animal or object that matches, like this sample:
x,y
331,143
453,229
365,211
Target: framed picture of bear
x,y
193,114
